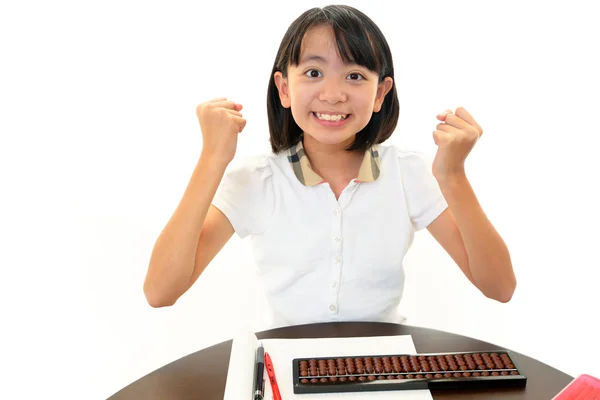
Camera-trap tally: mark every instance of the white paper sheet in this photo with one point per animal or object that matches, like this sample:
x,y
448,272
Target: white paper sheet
x,y
283,351
240,375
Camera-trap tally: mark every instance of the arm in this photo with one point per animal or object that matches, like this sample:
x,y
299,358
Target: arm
x,y
193,236
197,231
463,229
465,232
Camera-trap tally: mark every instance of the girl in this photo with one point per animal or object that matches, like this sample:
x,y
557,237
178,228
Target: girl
x,y
332,211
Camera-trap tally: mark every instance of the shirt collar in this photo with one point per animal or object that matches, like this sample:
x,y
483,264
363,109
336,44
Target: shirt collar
x,y
369,169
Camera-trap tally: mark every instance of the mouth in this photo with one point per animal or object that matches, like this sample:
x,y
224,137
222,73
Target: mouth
x,y
331,117
331,120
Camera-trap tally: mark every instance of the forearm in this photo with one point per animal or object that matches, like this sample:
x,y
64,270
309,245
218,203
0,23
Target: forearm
x,y
173,256
488,257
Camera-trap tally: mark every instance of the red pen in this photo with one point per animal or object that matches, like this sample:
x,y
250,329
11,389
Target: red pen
x,y
271,373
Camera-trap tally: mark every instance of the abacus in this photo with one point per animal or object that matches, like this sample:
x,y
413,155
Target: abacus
x,y
406,372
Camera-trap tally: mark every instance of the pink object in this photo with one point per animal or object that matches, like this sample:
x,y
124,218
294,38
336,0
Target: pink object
x,y
584,387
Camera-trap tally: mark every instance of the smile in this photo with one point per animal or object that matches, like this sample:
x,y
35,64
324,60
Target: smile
x,y
331,120
331,117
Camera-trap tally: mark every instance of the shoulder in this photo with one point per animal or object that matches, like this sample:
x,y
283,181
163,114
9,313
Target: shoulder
x,y
413,169
251,167
246,184
246,195
406,158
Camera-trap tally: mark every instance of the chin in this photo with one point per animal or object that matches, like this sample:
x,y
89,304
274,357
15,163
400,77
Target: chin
x,y
332,139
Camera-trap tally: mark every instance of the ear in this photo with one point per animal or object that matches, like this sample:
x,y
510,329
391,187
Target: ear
x,y
283,88
382,91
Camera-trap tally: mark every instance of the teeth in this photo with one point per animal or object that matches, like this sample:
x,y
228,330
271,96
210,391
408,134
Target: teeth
x,y
328,117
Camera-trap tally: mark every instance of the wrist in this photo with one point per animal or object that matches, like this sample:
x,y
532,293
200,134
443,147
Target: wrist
x,y
451,178
211,161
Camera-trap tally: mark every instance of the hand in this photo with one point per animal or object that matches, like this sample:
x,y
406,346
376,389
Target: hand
x,y
455,138
220,122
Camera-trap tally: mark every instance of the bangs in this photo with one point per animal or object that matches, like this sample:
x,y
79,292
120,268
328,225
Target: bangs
x,y
356,40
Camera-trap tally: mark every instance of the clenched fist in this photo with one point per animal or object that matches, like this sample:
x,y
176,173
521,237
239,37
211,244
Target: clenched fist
x,y
455,138
220,122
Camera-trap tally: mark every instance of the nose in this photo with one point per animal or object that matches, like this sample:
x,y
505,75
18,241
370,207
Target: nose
x,y
332,92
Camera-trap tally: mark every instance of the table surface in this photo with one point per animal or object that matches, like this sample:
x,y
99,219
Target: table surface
x,y
202,375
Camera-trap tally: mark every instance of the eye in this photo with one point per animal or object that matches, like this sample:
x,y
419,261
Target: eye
x,y
355,76
312,73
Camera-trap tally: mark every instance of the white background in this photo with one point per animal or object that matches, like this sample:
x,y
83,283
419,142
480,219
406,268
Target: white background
x,y
99,139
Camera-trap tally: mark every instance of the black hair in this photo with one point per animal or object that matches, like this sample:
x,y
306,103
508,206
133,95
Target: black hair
x,y
359,41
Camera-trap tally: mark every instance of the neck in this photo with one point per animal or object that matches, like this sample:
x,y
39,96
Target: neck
x,y
333,161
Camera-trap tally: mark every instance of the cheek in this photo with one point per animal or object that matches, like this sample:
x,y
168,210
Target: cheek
x,y
301,98
367,102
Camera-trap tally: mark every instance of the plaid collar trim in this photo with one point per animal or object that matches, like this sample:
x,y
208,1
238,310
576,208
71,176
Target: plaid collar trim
x,y
369,169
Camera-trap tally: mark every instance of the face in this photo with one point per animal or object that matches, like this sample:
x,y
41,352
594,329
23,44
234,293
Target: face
x,y
330,101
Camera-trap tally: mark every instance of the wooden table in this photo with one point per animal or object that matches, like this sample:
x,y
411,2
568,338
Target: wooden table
x,y
202,375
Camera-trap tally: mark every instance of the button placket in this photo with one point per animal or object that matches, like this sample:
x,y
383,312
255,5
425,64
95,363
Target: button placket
x,y
337,258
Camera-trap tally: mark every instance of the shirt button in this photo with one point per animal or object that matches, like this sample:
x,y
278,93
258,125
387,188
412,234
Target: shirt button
x,y
338,259
334,284
336,212
332,307
337,239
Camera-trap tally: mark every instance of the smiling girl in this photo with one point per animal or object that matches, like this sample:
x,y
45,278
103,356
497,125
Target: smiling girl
x,y
332,211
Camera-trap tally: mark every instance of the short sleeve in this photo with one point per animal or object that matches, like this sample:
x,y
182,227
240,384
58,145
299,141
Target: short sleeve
x,y
423,195
245,196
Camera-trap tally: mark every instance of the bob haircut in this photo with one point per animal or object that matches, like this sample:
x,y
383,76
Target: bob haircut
x,y
359,41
